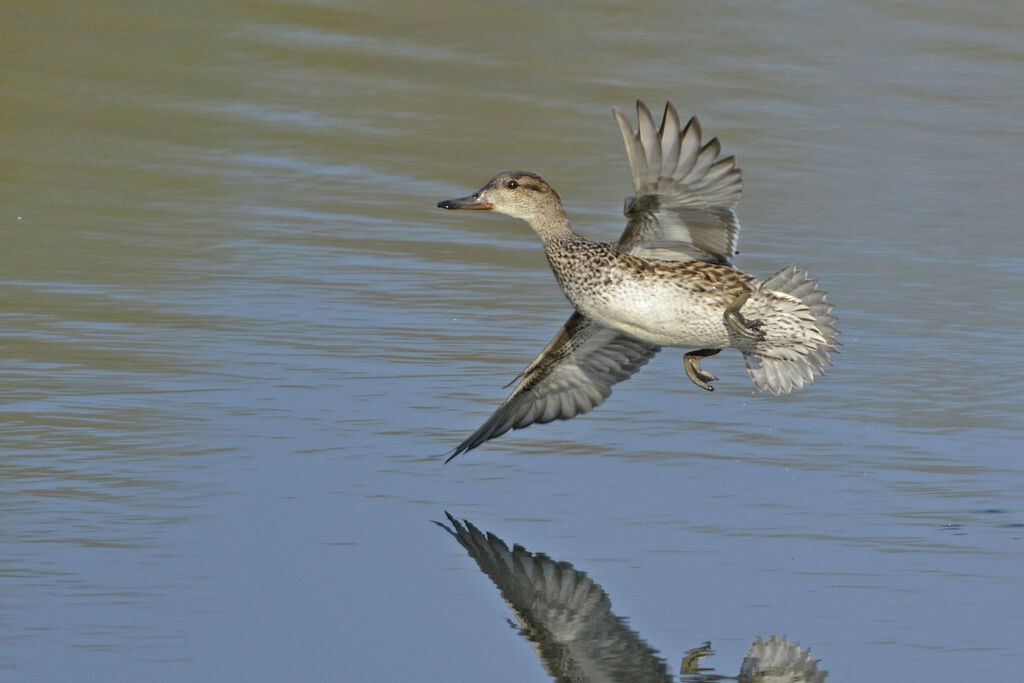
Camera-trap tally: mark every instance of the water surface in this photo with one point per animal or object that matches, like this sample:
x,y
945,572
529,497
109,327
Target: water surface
x,y
235,336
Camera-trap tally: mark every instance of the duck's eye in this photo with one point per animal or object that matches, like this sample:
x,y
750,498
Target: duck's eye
x,y
511,184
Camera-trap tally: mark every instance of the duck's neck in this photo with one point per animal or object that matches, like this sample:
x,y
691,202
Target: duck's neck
x,y
553,227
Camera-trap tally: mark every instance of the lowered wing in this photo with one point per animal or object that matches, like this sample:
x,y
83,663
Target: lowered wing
x,y
572,375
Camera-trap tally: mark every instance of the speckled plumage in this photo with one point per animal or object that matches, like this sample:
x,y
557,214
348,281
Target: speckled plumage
x,y
668,303
669,281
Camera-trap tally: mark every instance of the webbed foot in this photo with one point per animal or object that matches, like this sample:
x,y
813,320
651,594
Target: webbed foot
x,y
748,329
702,378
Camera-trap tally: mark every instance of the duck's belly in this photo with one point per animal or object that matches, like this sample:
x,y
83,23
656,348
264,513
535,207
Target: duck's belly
x,y
663,314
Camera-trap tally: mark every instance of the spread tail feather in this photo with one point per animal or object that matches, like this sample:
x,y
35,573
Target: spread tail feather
x,y
787,364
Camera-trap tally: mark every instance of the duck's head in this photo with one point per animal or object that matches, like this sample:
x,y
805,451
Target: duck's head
x,y
515,193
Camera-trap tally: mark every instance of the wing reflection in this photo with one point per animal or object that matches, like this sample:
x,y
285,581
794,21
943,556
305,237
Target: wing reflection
x,y
569,620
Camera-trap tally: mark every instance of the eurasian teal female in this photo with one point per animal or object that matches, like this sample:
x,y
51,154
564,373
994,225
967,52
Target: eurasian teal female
x,y
669,281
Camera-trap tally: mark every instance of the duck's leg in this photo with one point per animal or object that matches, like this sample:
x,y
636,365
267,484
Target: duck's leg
x,y
702,378
748,329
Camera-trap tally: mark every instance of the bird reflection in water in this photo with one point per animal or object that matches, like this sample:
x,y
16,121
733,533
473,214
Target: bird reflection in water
x,y
569,619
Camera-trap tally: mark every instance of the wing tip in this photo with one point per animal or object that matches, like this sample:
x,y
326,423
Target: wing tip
x,y
464,447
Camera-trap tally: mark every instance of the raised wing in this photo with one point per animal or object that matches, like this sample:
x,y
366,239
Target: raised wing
x,y
685,192
572,375
563,612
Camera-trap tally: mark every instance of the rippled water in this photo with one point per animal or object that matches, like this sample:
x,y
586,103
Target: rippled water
x,y
235,336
